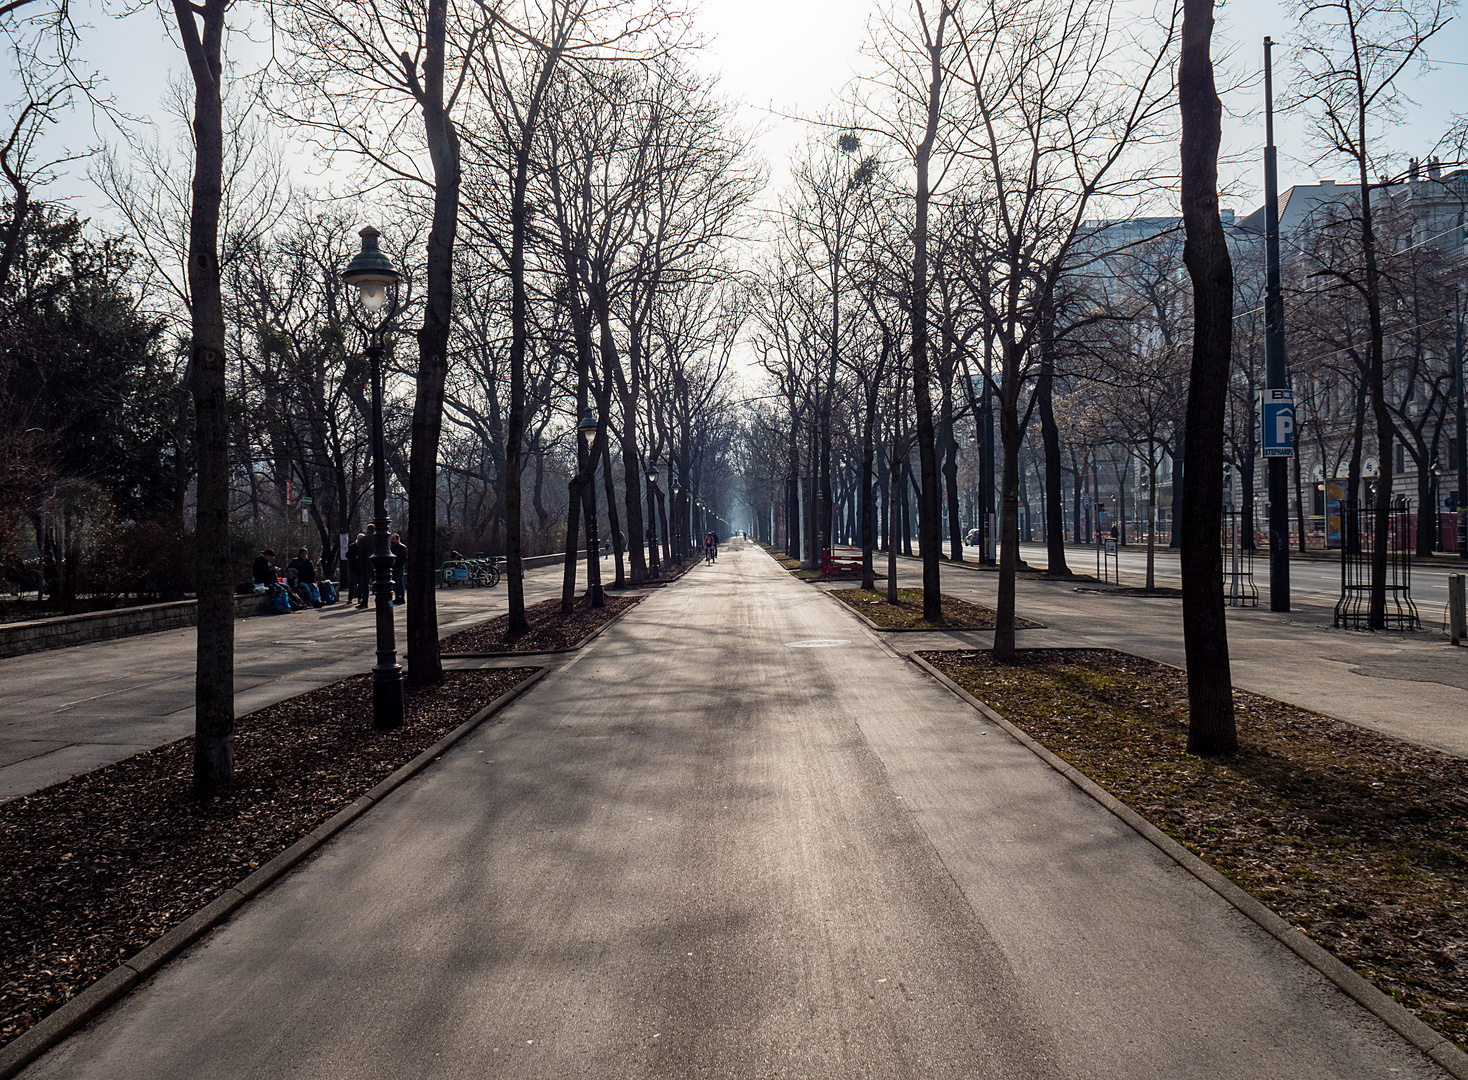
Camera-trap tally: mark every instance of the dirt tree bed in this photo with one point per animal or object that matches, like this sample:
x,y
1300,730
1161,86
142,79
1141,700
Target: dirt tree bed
x,y
95,868
1358,838
549,629
907,613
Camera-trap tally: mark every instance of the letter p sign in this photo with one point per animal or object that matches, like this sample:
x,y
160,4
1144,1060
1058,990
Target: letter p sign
x,y
1277,422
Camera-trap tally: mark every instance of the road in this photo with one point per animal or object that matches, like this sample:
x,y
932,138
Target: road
x,y
71,710
734,838
1314,583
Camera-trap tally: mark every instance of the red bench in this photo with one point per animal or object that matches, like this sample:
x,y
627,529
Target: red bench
x,y
840,561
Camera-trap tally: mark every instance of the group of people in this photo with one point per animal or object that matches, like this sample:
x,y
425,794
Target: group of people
x,y
359,565
299,583
298,587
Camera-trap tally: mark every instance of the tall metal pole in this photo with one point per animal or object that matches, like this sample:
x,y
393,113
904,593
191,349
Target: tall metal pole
x,y
1274,353
1462,462
387,675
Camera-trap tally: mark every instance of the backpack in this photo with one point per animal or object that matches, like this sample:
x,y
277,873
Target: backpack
x,y
328,591
280,602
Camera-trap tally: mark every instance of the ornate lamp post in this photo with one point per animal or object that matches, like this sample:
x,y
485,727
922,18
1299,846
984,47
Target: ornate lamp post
x,y
374,277
586,430
652,521
677,526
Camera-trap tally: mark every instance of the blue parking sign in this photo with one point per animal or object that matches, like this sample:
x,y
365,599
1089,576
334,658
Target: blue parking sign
x,y
1277,422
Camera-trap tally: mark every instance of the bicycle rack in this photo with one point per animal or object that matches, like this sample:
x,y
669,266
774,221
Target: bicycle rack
x,y
1239,589
1353,609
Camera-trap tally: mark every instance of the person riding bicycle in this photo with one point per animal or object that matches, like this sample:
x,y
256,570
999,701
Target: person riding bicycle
x,y
711,548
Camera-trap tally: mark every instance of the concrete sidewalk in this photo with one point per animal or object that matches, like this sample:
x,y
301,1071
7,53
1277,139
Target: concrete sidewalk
x,y
736,838
68,711
1412,686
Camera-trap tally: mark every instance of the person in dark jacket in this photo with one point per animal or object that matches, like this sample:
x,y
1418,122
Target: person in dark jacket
x,y
304,568
366,545
354,569
399,568
264,572
305,575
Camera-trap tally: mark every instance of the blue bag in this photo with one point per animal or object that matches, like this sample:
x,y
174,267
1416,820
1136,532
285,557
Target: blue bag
x,y
328,592
280,602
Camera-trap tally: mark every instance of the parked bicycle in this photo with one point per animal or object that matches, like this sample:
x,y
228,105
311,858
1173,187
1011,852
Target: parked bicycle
x,y
483,571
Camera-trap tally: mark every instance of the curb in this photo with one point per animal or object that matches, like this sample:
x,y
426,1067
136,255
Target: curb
x,y
1398,1017
101,994
587,640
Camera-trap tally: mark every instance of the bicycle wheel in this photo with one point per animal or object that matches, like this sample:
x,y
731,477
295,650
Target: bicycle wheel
x,y
494,576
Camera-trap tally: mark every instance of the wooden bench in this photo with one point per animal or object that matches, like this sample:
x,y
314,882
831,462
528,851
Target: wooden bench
x,y
841,560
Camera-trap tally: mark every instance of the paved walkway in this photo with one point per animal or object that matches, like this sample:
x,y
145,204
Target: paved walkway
x,y
707,847
67,711
1413,686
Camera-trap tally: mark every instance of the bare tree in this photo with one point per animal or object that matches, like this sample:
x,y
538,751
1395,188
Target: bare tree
x,y
1067,99
1205,253
1353,55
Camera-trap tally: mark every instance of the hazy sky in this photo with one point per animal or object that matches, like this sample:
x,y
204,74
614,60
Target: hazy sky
x,y
794,56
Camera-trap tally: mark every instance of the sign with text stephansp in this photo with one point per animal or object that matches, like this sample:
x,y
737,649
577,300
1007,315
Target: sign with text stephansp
x,y
1277,421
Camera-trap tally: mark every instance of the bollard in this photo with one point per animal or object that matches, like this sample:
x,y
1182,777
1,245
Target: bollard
x,y
1457,609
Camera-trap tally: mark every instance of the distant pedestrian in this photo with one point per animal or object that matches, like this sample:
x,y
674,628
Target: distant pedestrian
x,y
366,545
357,585
399,568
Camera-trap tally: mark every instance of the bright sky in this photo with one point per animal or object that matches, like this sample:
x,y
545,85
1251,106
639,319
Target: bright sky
x,y
792,57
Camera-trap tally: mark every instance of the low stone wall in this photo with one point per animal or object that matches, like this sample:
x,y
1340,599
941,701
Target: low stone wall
x,y
37,635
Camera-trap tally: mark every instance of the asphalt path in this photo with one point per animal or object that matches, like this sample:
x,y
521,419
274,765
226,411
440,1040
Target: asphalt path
x,y
737,837
68,711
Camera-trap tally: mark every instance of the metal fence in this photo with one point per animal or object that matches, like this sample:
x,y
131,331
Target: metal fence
x,y
1353,609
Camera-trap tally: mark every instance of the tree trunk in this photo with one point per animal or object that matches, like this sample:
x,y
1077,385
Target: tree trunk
x,y
214,663
1050,435
573,542
1205,253
868,511
930,535
515,415
614,523
894,474
424,666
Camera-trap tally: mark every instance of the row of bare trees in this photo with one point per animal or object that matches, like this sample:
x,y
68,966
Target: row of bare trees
x,y
576,182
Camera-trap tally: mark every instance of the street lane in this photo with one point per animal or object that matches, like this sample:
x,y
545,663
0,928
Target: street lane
x,y
1313,582
71,710
697,850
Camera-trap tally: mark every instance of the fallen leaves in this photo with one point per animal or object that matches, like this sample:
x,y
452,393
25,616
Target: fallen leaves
x,y
95,868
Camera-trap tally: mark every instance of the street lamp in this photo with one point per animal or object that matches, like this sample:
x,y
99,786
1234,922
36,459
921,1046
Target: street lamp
x,y
586,429
652,521
677,525
374,277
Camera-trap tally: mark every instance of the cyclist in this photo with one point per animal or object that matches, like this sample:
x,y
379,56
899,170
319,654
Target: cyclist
x,y
711,548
